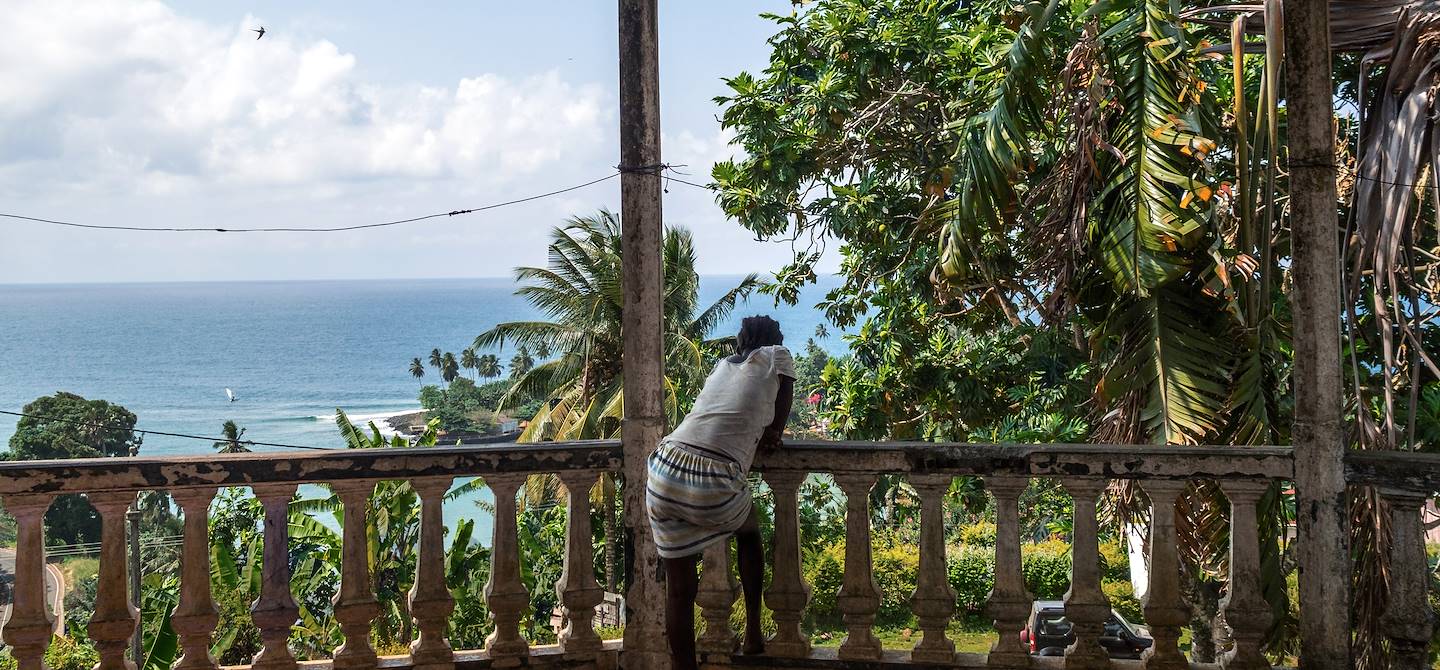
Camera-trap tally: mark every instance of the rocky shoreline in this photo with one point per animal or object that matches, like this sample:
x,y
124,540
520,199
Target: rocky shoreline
x,y
401,423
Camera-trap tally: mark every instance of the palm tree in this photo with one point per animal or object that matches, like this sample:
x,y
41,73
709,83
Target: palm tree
x,y
231,444
580,292
417,369
392,526
542,350
521,363
437,360
449,367
468,359
488,367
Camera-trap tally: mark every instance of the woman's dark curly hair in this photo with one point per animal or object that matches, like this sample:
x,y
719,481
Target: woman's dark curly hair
x,y
756,332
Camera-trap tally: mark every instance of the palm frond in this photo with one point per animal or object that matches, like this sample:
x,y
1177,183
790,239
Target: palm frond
x,y
994,148
1169,378
529,334
543,380
354,438
1151,215
722,308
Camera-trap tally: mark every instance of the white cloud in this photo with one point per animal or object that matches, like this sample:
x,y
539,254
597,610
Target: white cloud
x,y
129,97
698,153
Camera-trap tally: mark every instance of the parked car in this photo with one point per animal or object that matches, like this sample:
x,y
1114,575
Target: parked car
x,y
1048,632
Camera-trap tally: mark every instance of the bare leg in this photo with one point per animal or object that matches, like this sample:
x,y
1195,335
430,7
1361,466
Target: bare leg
x,y
681,583
750,555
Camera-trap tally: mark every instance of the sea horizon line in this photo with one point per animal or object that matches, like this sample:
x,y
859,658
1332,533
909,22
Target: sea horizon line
x,y
315,280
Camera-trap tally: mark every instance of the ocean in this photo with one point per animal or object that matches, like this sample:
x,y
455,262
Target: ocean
x,y
291,351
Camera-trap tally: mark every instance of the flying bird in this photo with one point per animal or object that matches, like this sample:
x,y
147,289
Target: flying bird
x,y
260,30
231,394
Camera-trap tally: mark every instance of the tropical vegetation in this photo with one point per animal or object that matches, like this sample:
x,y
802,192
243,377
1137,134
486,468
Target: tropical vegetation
x,y
1107,179
231,443
1058,221
579,290
66,425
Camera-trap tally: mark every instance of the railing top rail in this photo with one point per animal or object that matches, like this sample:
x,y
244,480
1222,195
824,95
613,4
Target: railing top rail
x,y
1047,460
1033,460
167,472
1406,471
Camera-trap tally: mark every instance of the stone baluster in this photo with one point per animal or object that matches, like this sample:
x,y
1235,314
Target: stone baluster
x,y
113,624
1407,618
1164,607
1009,602
934,600
504,592
275,611
430,599
579,592
788,593
31,625
859,597
716,597
1244,609
1086,606
355,603
196,616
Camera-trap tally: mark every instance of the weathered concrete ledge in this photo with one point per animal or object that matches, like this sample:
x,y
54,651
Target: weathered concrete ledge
x,y
1050,460
103,474
1033,460
1405,471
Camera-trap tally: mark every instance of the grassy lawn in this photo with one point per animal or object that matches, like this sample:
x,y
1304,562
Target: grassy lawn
x,y
969,636
77,570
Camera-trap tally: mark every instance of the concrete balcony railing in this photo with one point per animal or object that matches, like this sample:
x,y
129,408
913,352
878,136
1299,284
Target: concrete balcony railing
x,y
27,489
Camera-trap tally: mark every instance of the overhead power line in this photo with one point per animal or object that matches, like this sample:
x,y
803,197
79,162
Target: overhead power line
x,y
88,548
332,229
212,440
668,170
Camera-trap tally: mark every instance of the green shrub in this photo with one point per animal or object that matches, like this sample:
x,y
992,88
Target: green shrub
x,y
896,567
969,568
980,534
1123,600
1046,566
825,571
971,572
238,631
1114,560
64,653
737,618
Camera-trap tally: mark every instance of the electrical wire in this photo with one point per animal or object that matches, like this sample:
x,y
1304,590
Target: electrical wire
x,y
89,548
708,187
334,229
212,440
665,169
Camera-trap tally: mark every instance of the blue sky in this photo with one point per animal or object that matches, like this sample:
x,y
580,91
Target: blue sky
x,y
155,113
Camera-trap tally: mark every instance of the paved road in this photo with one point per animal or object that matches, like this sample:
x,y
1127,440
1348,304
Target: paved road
x,y
54,589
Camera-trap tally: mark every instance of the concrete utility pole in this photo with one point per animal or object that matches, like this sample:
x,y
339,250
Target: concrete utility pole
x,y
1318,435
642,358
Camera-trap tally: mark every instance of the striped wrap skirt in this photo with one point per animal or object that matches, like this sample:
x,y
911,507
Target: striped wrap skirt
x,y
696,497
